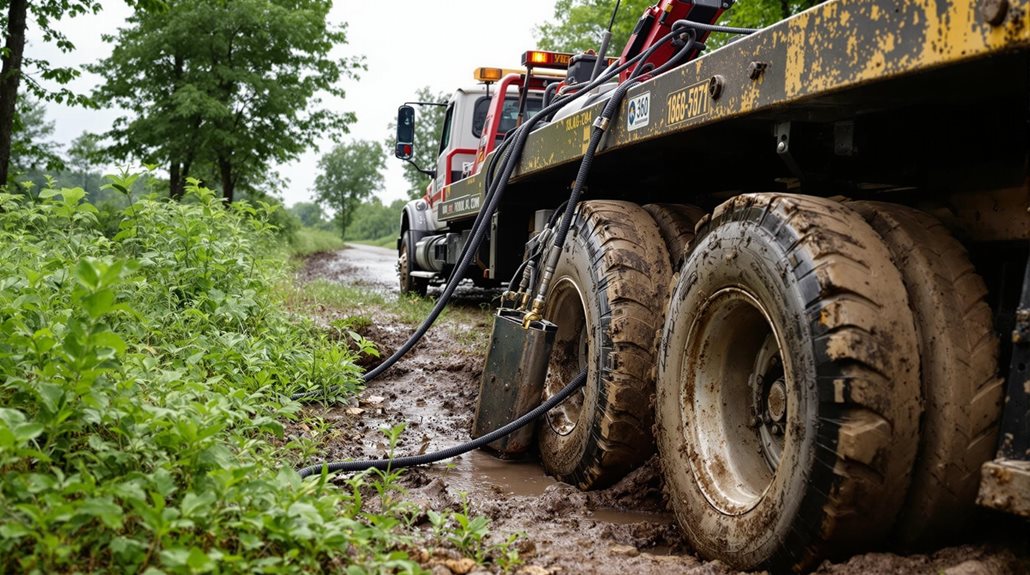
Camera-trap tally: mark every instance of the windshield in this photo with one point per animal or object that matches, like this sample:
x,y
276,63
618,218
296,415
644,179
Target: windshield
x,y
509,114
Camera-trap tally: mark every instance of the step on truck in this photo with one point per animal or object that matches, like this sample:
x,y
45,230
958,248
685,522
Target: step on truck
x,y
797,269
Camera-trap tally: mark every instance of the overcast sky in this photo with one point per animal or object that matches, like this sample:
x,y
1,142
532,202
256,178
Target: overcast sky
x,y
408,44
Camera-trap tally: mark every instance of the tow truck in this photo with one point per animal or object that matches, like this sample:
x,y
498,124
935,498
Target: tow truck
x,y
799,269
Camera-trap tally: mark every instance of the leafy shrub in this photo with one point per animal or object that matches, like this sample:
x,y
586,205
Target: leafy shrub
x,y
144,384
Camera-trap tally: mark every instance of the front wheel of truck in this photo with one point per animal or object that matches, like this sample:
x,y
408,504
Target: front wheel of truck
x,y
408,283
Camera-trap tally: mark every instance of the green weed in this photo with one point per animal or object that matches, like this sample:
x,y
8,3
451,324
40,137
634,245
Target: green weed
x,y
146,364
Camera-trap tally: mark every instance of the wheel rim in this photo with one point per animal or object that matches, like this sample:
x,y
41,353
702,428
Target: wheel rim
x,y
402,266
736,401
570,356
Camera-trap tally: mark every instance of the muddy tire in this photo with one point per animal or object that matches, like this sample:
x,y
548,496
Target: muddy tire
x,y
607,297
676,223
409,284
775,459
959,369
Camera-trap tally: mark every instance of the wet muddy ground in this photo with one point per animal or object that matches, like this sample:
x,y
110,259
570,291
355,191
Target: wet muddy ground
x,y
624,529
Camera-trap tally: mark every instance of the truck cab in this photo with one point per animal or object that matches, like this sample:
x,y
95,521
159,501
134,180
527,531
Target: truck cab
x,y
476,121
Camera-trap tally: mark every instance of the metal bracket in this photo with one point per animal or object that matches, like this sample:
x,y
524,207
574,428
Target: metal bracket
x,y
1014,436
782,133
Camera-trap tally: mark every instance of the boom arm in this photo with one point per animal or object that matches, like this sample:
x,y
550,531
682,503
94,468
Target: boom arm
x,y
657,21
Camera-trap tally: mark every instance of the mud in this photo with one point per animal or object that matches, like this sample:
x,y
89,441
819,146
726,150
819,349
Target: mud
x,y
626,528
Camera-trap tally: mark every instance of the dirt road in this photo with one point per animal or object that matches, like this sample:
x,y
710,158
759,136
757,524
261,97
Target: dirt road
x,y
624,529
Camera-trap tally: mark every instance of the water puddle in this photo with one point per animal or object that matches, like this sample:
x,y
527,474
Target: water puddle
x,y
514,477
526,478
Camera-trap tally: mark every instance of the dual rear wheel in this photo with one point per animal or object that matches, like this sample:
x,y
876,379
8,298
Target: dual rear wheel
x,y
802,340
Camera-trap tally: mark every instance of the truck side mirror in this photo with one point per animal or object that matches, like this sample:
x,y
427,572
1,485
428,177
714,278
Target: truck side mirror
x,y
405,133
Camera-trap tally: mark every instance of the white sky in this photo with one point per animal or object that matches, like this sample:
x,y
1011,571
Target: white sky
x,y
408,44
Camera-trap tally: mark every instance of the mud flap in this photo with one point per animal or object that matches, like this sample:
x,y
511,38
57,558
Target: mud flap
x,y
513,379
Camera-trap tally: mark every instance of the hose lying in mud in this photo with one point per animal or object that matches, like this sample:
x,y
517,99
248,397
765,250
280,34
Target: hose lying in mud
x,y
510,152
396,463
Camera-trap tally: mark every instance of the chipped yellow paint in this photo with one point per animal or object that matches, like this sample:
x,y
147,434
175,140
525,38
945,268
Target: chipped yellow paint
x,y
834,46
795,65
957,32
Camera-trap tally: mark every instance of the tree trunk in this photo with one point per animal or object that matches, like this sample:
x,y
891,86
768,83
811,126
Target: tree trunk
x,y
228,180
176,181
784,8
10,75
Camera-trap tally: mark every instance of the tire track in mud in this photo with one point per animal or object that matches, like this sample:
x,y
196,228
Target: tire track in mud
x,y
626,528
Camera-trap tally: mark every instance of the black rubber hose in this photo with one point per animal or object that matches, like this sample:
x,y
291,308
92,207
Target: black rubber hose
x,y
610,107
396,463
512,155
712,27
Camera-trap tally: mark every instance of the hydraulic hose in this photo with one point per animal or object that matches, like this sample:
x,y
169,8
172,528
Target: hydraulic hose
x,y
600,127
395,463
511,153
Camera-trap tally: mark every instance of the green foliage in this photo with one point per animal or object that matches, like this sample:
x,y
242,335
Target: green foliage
x,y
145,382
428,131
307,241
372,220
309,213
32,145
44,15
349,175
759,14
577,24
223,91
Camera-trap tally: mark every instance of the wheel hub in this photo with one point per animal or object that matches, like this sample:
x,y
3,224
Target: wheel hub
x,y
570,356
769,393
738,394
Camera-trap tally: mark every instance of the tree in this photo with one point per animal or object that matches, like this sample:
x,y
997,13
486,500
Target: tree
x,y
372,220
223,90
349,174
15,65
309,213
578,24
32,147
761,13
428,129
83,154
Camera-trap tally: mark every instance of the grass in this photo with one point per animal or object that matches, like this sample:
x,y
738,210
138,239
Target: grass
x,y
388,241
307,241
147,360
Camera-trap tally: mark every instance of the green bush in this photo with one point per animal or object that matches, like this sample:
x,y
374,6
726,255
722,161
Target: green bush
x,y
144,384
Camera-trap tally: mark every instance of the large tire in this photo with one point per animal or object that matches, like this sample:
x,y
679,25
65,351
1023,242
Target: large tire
x,y
408,283
607,297
676,223
959,365
775,459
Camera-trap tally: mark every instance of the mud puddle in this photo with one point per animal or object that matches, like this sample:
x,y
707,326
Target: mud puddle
x,y
626,528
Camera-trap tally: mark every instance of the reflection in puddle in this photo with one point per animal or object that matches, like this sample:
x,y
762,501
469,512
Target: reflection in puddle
x,y
527,479
516,477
